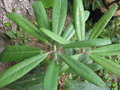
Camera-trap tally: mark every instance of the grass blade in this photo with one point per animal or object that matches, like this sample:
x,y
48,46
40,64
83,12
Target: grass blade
x,y
20,69
51,77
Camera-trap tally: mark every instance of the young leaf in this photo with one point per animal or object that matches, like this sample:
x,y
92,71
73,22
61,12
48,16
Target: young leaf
x,y
87,14
100,25
59,15
40,14
83,70
107,50
69,31
20,69
79,19
54,36
51,77
15,53
88,43
26,25
107,64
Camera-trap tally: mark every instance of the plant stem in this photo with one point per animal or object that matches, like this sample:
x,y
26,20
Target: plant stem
x,y
55,54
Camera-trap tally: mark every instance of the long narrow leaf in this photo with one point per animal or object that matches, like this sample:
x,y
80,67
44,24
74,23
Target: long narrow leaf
x,y
20,69
88,43
27,82
79,19
99,27
107,64
15,53
26,25
51,77
107,50
83,70
69,31
59,16
54,36
40,14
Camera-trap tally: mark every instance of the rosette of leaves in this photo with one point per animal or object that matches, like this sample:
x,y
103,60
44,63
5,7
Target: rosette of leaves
x,y
68,53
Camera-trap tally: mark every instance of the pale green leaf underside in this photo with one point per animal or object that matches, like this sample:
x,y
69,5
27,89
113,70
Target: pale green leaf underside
x,y
20,69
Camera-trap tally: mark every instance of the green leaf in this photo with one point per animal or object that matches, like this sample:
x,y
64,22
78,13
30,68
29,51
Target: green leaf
x,y
73,85
107,50
26,82
95,67
11,34
88,43
107,64
101,24
83,70
41,15
64,67
54,36
26,26
59,16
69,31
79,19
51,77
15,53
87,14
47,3
20,69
